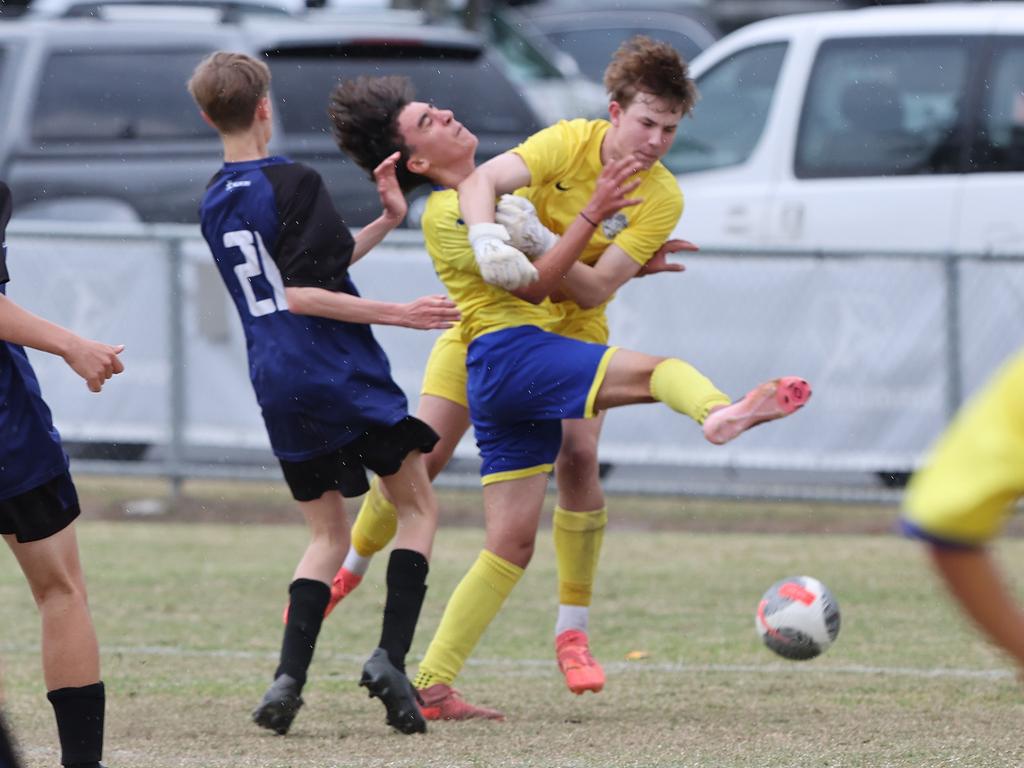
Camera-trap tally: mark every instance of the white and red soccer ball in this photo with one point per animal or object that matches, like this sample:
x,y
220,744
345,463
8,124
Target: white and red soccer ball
x,y
798,618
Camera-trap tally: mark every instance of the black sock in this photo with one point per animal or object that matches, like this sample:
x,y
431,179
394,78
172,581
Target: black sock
x,y
79,713
305,615
7,756
407,576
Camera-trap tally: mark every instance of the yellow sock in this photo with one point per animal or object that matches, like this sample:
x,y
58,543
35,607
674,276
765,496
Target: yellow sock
x,y
685,390
376,523
473,605
578,537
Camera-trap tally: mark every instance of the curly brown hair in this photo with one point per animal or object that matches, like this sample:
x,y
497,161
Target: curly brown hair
x,y
364,120
227,87
643,65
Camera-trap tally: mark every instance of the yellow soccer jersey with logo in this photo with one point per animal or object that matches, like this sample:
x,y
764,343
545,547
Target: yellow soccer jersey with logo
x,y
564,163
484,307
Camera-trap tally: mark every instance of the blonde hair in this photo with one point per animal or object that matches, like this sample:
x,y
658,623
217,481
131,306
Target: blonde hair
x,y
227,87
643,65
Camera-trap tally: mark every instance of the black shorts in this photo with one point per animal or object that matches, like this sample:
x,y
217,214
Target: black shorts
x,y
381,450
41,512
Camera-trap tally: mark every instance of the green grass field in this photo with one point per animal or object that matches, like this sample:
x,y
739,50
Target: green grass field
x,y
189,623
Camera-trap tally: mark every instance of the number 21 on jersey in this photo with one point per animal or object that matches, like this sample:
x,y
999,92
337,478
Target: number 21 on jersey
x,y
257,262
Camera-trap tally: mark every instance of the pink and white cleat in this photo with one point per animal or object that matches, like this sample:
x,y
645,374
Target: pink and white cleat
x,y
766,402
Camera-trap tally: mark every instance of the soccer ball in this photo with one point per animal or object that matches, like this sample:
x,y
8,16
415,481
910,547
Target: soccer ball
x,y
798,618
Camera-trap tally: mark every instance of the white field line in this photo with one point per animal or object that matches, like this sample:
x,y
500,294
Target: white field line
x,y
538,667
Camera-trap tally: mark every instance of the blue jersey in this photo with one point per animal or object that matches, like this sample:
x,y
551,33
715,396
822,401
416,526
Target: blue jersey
x,y
320,383
30,448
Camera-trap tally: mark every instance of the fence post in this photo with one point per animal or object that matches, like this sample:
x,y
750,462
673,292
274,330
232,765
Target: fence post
x,y
954,376
176,345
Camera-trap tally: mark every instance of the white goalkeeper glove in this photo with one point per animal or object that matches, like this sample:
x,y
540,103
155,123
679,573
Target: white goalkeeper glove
x,y
519,217
500,263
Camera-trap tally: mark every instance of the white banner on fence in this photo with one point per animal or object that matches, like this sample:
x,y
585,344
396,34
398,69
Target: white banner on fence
x,y
869,333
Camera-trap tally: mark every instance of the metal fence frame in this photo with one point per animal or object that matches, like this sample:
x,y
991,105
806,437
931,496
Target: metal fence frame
x,y
176,468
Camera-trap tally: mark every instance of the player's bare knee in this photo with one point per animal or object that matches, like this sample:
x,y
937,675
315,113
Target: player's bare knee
x,y
59,593
516,550
576,458
419,508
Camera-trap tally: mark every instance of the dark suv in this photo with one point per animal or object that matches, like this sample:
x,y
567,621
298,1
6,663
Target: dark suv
x,y
97,123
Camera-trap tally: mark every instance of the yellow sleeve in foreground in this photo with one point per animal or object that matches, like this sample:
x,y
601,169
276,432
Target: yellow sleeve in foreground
x,y
975,472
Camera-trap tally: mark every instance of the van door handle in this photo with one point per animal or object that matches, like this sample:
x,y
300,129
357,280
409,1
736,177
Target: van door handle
x,y
737,220
791,220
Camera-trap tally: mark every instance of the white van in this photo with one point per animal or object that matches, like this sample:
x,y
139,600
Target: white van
x,y
882,129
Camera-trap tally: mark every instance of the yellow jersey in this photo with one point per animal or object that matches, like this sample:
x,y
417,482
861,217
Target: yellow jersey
x,y
965,491
564,163
484,307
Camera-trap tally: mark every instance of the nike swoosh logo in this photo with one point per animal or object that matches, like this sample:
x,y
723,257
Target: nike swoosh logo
x,y
560,188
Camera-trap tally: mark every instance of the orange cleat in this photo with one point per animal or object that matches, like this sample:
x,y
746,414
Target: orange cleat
x,y
766,402
344,582
581,670
442,702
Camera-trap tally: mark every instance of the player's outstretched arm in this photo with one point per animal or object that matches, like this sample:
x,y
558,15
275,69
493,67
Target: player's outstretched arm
x,y
92,360
395,208
425,313
974,579
659,262
498,176
592,285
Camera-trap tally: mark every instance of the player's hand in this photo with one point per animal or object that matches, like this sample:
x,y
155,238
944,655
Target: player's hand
x,y
610,193
659,261
429,312
519,217
500,264
95,362
391,197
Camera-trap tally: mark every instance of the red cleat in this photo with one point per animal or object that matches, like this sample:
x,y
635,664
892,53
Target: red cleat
x,y
766,402
344,582
581,670
442,702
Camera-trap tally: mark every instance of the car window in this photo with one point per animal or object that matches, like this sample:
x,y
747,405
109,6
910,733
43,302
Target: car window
x,y
727,121
884,106
122,95
525,62
593,48
1000,142
468,83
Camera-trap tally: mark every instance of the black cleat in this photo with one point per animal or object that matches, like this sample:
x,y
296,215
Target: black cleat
x,y
280,704
383,680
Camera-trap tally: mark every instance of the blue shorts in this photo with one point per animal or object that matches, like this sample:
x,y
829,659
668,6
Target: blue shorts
x,y
522,382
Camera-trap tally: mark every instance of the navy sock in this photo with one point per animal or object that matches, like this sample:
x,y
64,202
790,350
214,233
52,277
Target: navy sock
x,y
79,713
306,608
407,576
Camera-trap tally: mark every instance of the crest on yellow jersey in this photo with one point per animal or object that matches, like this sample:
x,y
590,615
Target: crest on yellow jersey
x,y
611,226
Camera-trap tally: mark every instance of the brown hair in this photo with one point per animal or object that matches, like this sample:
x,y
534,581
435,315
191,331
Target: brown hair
x,y
643,65
364,120
227,87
